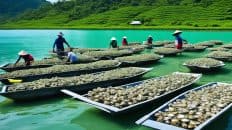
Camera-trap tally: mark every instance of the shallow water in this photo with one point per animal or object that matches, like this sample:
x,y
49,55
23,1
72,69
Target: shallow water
x,y
66,113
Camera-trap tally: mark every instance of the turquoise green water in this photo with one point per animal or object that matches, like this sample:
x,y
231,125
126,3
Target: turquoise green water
x,y
66,113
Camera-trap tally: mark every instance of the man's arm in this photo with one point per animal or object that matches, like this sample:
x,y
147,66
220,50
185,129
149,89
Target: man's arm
x,y
17,60
53,49
66,43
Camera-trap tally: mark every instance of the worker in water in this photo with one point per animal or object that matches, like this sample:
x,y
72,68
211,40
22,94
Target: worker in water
x,y
72,57
149,39
113,43
59,44
28,58
124,41
178,39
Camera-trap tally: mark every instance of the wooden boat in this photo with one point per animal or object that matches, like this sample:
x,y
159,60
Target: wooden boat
x,y
196,48
221,58
149,121
62,74
203,68
174,52
140,63
10,69
53,91
115,110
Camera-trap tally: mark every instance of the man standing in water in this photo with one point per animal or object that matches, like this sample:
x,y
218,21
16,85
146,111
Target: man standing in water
x,y
179,40
59,43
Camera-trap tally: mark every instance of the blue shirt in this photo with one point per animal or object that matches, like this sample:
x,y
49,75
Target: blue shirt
x,y
179,40
59,43
72,57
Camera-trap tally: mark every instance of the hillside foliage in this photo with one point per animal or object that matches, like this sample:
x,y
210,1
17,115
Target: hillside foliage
x,y
106,13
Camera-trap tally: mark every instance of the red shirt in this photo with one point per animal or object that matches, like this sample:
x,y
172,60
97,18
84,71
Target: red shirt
x,y
124,42
28,58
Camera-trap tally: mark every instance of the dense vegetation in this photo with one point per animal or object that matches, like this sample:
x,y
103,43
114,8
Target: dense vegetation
x,y
10,8
118,13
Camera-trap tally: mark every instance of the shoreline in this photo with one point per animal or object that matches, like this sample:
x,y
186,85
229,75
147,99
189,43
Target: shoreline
x,y
119,28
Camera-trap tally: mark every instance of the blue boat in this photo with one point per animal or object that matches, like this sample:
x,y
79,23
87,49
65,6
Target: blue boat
x,y
42,93
115,110
149,121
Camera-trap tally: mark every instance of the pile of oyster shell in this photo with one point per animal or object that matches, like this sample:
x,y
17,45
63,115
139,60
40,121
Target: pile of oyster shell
x,y
134,43
228,46
220,55
219,49
138,58
55,61
206,43
185,46
195,48
77,80
134,48
152,88
162,43
216,42
166,51
52,61
196,107
83,50
60,69
203,62
109,53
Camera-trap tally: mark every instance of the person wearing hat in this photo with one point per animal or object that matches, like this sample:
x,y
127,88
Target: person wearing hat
x,y
28,58
124,41
149,39
59,44
179,40
113,43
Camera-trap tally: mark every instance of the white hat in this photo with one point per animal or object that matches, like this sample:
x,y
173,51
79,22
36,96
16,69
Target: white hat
x,y
150,36
113,38
22,53
177,32
60,34
125,37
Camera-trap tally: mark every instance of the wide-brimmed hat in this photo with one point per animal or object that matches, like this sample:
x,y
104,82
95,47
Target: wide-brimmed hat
x,y
124,37
60,34
113,38
22,53
177,32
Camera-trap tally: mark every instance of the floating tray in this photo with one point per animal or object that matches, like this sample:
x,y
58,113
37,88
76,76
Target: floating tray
x,y
10,69
204,68
62,74
221,58
47,92
139,63
115,110
149,121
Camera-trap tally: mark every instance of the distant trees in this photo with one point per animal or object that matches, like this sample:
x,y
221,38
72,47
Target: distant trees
x,y
77,9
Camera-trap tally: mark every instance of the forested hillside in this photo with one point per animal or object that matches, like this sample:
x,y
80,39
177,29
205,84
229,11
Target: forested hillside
x,y
11,8
118,13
